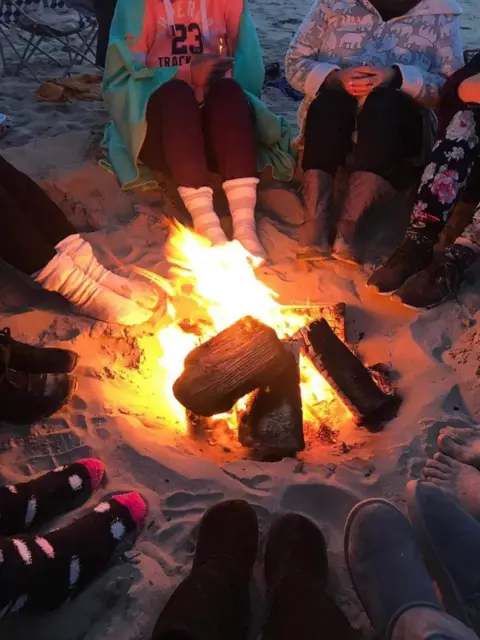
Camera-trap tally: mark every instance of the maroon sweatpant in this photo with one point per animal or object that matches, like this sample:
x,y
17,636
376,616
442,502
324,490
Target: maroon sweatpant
x,y
186,140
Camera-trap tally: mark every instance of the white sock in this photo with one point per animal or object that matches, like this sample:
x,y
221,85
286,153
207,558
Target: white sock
x,y
199,204
136,289
242,198
92,299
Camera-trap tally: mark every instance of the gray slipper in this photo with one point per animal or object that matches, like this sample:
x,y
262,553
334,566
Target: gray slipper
x,y
449,538
385,565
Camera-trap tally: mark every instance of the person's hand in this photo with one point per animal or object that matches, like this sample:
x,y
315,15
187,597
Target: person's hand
x,y
341,79
208,68
367,79
469,90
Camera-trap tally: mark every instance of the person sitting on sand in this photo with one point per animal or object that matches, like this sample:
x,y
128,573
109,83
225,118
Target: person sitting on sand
x,y
182,84
420,278
372,68
39,241
381,554
41,571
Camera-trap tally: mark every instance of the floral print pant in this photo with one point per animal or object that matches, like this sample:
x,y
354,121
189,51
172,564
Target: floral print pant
x,y
446,176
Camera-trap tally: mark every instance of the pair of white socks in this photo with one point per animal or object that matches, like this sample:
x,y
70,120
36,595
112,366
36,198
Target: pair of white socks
x,y
77,275
242,197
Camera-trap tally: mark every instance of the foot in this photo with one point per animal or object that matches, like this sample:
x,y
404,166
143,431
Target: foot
x,y
449,538
380,545
199,204
135,288
246,235
296,571
435,284
344,252
24,357
213,601
461,444
27,397
35,502
90,298
68,558
455,478
414,254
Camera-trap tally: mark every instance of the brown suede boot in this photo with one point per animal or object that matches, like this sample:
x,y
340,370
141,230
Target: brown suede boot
x,y
364,190
318,205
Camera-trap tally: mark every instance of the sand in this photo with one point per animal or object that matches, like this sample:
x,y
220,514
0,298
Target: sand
x,y
117,413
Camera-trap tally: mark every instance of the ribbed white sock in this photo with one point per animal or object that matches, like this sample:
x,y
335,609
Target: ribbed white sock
x,y
199,204
136,289
92,299
242,198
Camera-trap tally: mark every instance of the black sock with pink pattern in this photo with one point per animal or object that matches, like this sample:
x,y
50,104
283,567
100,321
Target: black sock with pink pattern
x,y
40,573
30,504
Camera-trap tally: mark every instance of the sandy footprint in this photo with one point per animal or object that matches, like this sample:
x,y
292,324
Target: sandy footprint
x,y
459,480
461,444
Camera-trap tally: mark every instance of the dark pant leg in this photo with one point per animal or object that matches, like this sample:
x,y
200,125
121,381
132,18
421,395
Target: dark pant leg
x,y
21,244
390,129
36,205
230,130
329,128
104,10
175,140
448,172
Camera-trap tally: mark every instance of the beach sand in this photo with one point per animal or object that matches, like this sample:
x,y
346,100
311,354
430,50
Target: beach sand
x,y
118,415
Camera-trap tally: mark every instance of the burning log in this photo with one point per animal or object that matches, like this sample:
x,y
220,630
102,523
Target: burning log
x,y
334,314
273,421
348,376
233,363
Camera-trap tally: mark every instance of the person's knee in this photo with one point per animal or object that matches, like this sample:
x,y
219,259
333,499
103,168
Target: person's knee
x,y
332,103
386,102
177,90
225,91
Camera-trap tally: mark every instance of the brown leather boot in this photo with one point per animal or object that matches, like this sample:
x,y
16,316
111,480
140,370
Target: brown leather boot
x,y
318,205
364,190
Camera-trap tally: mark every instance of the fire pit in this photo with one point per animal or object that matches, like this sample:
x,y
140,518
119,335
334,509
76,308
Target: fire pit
x,y
239,359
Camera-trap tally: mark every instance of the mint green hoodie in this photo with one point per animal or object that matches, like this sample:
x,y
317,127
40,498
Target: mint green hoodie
x,y
128,85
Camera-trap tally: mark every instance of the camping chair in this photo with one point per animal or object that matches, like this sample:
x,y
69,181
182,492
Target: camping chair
x,y
32,34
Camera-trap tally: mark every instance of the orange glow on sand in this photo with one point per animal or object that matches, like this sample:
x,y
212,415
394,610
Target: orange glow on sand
x,y
210,288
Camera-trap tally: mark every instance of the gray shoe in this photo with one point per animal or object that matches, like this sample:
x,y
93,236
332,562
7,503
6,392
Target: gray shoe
x,y
364,190
318,206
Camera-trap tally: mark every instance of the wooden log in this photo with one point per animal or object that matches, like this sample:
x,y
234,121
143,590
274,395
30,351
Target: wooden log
x,y
334,314
272,423
222,370
347,375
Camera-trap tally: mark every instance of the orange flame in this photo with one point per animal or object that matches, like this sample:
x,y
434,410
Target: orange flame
x,y
218,286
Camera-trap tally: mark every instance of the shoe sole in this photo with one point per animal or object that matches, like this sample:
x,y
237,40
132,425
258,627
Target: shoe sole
x,y
372,287
425,308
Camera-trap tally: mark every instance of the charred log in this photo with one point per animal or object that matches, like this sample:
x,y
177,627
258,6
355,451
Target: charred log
x,y
235,362
272,423
347,375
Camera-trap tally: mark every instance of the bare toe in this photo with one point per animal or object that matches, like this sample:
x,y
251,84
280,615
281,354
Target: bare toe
x,y
435,469
447,461
462,445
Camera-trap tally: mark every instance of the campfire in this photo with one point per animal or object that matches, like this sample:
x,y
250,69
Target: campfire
x,y
234,358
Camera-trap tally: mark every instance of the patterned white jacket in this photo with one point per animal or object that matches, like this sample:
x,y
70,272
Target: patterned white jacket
x,y
424,43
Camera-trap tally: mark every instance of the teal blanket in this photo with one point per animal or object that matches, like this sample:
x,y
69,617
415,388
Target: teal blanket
x,y
128,85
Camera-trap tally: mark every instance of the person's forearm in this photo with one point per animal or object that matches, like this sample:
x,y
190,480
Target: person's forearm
x,y
469,90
